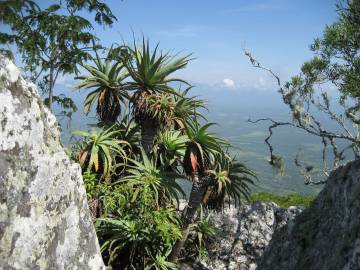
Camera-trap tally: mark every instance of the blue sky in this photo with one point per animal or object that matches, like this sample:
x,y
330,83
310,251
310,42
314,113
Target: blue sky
x,y
277,32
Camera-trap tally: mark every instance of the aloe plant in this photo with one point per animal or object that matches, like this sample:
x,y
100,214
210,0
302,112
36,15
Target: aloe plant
x,y
98,150
232,182
147,175
150,71
106,76
170,149
200,152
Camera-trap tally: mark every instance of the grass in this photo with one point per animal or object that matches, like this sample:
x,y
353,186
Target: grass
x,y
284,201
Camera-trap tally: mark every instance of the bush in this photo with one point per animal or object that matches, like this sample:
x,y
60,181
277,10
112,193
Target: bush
x,y
284,201
136,232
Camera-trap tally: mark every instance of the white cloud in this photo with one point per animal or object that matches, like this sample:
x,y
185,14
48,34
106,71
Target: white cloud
x,y
229,83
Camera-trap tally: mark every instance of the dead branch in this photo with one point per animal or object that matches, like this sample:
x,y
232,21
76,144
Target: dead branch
x,y
304,120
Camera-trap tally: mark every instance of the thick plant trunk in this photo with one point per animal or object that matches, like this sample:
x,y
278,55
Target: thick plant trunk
x,y
206,196
51,86
148,133
189,214
95,208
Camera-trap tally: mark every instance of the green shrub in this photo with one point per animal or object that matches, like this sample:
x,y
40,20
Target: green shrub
x,y
202,233
137,233
284,201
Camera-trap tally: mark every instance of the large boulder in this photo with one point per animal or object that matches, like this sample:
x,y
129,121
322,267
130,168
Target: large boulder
x,y
326,235
244,233
44,218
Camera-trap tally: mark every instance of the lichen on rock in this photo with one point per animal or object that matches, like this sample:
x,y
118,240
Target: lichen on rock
x,y
243,234
327,234
44,218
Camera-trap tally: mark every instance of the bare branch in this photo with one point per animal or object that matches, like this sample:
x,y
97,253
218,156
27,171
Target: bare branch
x,y
299,104
306,172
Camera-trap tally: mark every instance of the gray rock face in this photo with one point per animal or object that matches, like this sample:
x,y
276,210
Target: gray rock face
x,y
326,235
44,218
244,234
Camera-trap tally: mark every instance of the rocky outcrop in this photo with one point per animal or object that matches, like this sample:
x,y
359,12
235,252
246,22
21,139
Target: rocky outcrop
x,y
326,235
243,235
44,217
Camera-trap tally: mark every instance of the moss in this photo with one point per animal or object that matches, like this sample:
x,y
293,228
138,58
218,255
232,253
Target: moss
x,y
284,201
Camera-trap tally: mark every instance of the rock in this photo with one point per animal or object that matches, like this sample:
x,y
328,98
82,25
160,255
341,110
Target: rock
x,y
44,218
244,234
326,235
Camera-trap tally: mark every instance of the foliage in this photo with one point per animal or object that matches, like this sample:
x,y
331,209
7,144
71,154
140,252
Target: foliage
x,y
90,183
137,233
232,182
186,109
152,102
202,233
127,130
337,57
135,229
52,41
106,77
98,150
170,148
150,71
202,146
160,262
200,152
284,201
146,175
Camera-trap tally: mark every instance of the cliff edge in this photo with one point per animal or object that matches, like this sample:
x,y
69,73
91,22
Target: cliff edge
x,y
44,218
327,234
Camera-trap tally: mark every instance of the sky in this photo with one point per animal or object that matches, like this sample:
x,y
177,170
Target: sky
x,y
277,32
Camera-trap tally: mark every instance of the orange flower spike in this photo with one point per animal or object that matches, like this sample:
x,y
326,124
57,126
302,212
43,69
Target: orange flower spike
x,y
194,162
102,97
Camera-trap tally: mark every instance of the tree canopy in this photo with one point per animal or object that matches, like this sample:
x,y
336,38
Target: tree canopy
x,y
52,40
